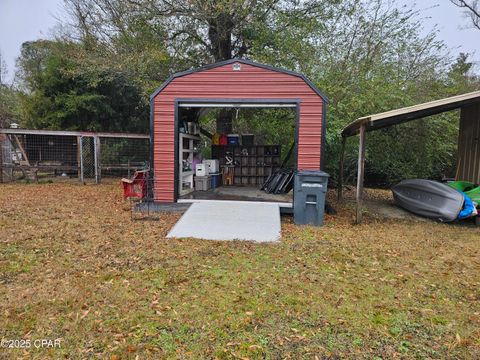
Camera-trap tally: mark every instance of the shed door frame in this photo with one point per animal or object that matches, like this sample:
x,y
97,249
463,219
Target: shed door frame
x,y
229,103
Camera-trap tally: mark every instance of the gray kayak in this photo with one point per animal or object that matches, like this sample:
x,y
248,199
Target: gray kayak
x,y
428,198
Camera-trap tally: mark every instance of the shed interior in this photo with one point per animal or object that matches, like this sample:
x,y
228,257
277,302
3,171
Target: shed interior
x,y
250,155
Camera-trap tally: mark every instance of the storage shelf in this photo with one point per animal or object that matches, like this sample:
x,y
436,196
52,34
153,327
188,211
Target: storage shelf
x,y
190,136
186,153
186,191
246,170
256,156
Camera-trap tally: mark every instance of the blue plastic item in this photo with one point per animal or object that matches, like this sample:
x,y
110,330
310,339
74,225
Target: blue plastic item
x,y
467,209
233,139
216,180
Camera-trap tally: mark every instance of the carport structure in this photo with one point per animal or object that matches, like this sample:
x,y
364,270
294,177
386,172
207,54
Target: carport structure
x,y
468,153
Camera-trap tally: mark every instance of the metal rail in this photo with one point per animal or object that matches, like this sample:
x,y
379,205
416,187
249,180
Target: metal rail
x,y
73,133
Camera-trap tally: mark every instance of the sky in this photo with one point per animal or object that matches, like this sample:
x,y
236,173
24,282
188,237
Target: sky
x,y
26,20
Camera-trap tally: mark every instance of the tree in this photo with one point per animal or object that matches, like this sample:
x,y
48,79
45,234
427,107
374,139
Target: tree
x,y
8,106
371,57
67,95
197,32
8,97
3,69
472,10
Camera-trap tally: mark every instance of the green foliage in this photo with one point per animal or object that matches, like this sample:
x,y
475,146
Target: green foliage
x,y
8,105
269,126
374,59
421,149
67,95
424,148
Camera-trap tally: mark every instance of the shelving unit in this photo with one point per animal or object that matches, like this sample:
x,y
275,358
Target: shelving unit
x,y
253,164
187,149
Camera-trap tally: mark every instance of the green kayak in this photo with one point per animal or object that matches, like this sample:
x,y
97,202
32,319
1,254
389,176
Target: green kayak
x,y
470,189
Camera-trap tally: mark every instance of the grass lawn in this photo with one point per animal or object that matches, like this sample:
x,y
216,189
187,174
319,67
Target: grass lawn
x,y
75,267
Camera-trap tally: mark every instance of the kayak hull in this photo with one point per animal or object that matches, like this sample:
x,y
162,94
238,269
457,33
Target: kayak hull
x,y
429,198
470,189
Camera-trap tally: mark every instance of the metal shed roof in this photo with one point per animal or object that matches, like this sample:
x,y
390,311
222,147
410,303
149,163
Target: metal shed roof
x,y
241,61
393,117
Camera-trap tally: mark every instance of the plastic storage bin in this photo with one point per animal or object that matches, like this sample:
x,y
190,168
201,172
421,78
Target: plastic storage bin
x,y
216,180
247,139
202,183
309,194
233,139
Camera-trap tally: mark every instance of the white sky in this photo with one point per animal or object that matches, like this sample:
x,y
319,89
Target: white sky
x,y
24,20
454,27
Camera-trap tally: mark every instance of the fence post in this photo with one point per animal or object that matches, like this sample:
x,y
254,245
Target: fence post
x,y
79,158
80,150
96,154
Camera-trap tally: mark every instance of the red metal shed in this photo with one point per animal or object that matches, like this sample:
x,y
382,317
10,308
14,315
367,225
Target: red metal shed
x,y
229,82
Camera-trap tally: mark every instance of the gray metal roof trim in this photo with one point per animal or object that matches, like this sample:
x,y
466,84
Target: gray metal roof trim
x,y
243,61
353,128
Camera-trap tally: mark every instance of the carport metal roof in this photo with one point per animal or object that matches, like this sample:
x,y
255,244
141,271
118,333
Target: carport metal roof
x,y
389,118
393,117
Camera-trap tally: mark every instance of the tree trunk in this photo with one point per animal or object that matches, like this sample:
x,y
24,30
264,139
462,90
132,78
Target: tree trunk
x,y
220,36
224,121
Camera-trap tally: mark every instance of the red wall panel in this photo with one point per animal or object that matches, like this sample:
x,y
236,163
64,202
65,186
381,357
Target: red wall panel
x,y
250,82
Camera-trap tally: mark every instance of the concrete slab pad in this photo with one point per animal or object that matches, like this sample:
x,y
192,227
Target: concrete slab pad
x,y
229,220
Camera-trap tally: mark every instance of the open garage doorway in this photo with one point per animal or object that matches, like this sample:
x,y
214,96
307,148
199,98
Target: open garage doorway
x,y
254,161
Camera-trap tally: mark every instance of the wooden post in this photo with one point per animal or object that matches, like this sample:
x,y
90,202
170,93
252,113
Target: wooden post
x,y
79,155
1,157
22,149
96,154
360,173
340,170
80,140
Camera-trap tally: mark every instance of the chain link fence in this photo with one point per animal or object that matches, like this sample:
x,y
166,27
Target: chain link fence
x,y
120,156
43,155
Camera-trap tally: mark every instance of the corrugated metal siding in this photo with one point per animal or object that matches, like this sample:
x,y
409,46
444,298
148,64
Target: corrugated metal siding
x,y
250,82
468,158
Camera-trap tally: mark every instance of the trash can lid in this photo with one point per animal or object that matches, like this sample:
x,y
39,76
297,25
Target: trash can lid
x,y
313,173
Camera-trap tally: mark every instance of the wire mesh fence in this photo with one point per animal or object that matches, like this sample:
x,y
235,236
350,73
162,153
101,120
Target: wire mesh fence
x,y
120,156
33,155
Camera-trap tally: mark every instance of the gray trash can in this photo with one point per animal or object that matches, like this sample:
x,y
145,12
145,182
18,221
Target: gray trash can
x,y
309,194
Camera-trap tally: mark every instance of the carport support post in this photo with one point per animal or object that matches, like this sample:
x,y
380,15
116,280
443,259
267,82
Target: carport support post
x,y
340,170
360,173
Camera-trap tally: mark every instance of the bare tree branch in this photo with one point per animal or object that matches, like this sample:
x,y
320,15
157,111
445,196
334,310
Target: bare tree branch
x,y
472,10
